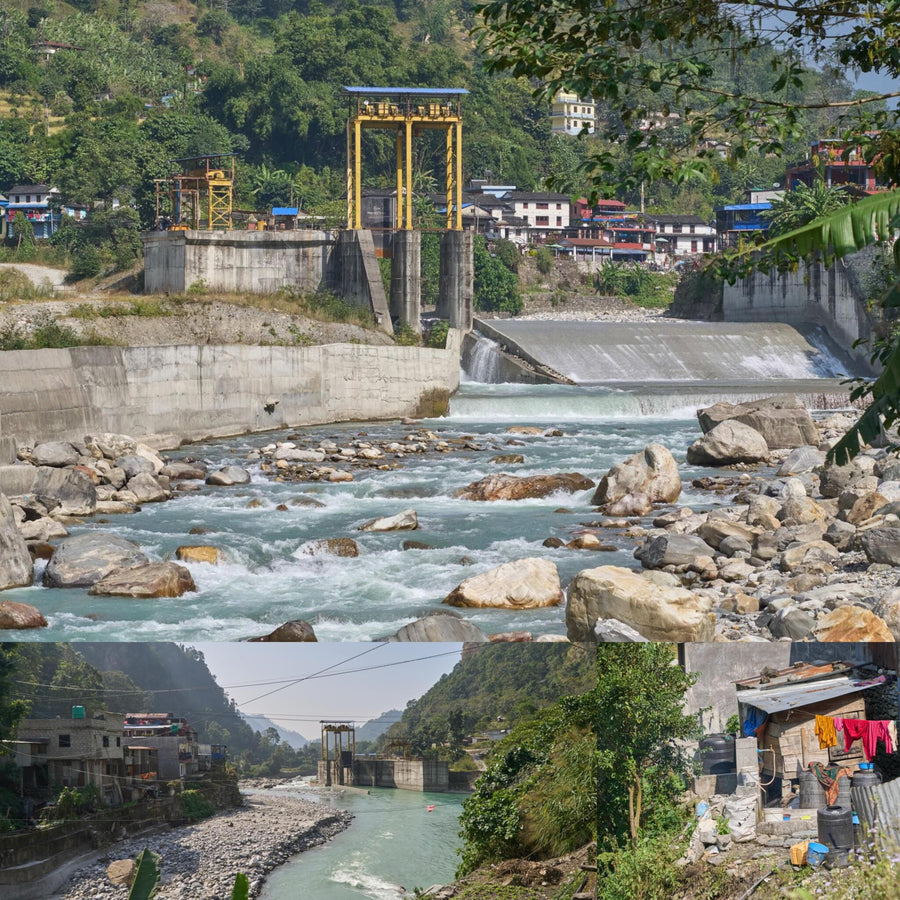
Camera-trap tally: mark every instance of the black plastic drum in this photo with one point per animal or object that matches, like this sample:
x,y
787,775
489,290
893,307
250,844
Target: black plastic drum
x,y
836,827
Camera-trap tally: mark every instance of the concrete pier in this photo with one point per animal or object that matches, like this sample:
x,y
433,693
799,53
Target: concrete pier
x,y
456,292
406,280
430,775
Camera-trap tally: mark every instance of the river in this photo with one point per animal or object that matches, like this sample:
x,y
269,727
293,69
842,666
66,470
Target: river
x,y
267,579
393,842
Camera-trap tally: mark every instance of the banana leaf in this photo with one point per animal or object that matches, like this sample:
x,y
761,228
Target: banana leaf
x,y
146,876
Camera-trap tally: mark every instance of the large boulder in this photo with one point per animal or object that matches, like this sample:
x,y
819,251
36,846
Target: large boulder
x,y
146,488
65,492
715,531
652,471
158,579
783,422
888,609
808,553
729,442
881,545
15,561
522,584
407,520
442,626
228,476
345,547
199,553
657,612
81,561
675,550
852,624
132,464
512,487
57,454
298,631
184,471
20,615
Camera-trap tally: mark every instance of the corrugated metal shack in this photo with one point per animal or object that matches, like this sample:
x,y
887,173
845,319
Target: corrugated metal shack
x,y
793,698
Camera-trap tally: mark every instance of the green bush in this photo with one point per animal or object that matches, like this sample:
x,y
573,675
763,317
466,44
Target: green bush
x,y
436,336
86,263
195,806
496,288
544,260
406,337
508,253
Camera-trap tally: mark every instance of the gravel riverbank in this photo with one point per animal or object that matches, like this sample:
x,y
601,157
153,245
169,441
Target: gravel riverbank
x,y
200,861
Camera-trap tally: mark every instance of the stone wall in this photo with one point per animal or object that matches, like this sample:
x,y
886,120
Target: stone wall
x,y
197,392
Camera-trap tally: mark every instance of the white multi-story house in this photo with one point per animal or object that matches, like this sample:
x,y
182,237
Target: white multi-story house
x,y
683,235
570,114
545,213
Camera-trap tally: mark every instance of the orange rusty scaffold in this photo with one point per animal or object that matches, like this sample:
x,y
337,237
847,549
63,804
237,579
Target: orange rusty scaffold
x,y
201,196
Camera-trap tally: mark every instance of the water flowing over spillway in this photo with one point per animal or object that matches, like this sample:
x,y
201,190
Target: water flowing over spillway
x,y
676,351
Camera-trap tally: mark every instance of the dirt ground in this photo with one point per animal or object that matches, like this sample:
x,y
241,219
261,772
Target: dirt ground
x,y
130,320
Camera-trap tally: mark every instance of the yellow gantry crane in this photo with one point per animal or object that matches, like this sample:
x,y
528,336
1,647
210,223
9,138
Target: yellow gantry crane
x,y
406,111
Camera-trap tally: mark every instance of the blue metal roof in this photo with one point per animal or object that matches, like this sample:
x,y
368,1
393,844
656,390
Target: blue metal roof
x,y
746,206
285,210
401,91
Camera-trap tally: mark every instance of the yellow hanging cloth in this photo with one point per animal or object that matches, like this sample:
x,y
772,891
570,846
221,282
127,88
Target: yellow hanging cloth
x,y
825,732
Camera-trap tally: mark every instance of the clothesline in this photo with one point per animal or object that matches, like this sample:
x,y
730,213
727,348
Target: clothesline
x,y
869,731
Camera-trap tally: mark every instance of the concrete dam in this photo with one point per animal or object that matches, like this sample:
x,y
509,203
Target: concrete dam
x,y
668,351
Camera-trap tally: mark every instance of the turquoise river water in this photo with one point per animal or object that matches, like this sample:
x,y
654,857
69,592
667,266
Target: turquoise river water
x,y
392,843
267,579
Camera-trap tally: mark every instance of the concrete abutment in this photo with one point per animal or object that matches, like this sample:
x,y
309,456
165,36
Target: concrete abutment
x,y
456,293
406,280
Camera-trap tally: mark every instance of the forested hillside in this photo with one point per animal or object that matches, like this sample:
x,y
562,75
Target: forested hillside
x,y
508,682
97,96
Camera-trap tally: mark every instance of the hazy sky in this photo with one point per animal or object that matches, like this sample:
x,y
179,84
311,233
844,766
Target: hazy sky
x,y
392,675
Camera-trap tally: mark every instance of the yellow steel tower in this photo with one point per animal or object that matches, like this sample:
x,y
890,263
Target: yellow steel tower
x,y
406,111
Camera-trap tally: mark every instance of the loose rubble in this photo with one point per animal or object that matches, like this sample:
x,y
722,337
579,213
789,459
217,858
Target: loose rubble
x,y
200,861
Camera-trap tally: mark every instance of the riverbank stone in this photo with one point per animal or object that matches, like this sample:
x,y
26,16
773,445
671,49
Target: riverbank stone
x,y
679,550
54,453
148,581
407,520
658,613
881,545
85,559
440,626
652,471
228,476
853,624
523,584
297,630
345,547
200,553
728,443
15,615
16,569
783,422
513,487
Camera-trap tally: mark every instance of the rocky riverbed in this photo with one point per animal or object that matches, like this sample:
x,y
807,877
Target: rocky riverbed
x,y
200,861
762,539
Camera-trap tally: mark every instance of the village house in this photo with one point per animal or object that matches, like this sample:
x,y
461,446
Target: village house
x,y
173,738
683,235
42,206
570,114
829,160
73,752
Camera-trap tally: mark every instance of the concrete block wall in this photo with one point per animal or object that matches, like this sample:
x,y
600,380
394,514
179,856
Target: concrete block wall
x,y
814,295
198,392
238,261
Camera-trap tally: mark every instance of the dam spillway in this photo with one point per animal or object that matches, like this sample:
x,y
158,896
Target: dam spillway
x,y
666,351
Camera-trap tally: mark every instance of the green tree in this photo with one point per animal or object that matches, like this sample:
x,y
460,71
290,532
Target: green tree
x,y
640,724
804,204
496,288
12,706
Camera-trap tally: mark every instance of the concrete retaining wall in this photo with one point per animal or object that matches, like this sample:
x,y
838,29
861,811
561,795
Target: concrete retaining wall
x,y
812,295
198,392
238,261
